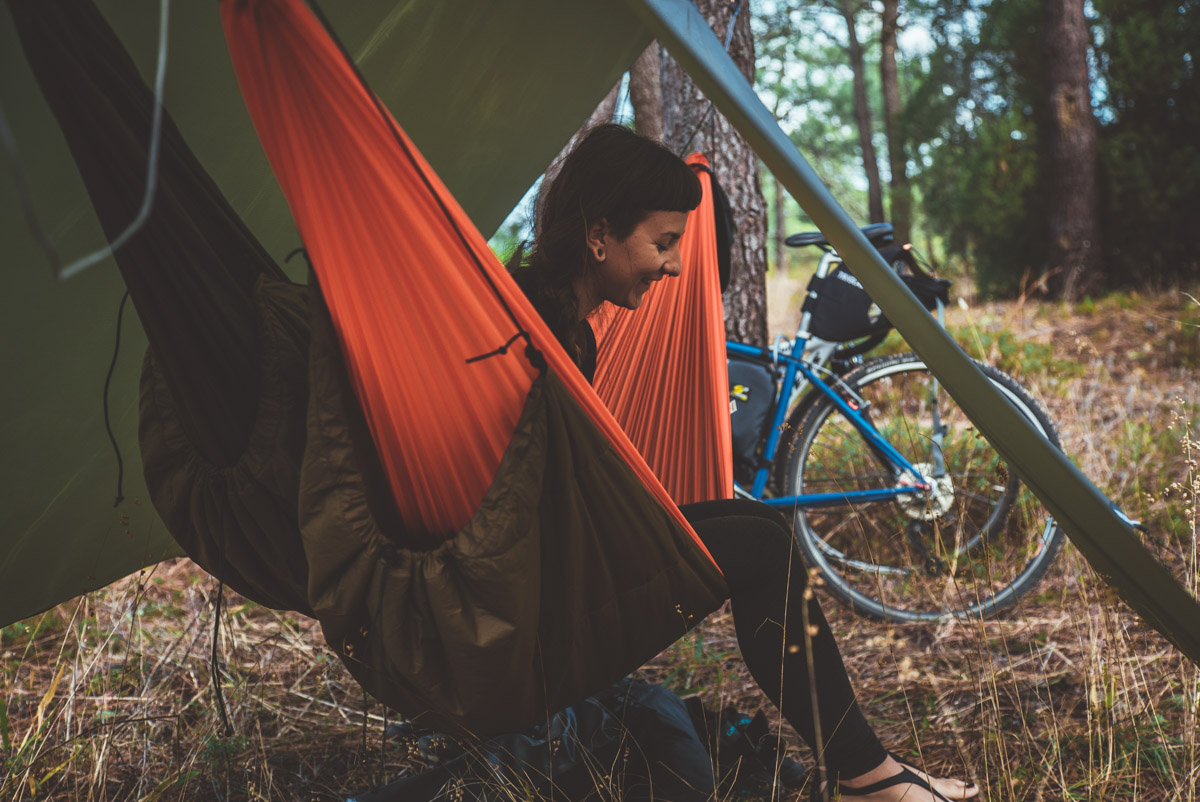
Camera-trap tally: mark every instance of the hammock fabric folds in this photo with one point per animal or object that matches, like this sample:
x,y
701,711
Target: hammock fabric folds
x,y
653,359
485,545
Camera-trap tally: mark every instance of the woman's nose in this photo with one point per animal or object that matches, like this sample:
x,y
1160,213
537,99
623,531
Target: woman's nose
x,y
673,266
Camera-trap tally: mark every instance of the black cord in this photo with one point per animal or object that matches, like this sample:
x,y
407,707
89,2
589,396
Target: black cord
x,y
214,666
303,252
532,353
501,350
107,381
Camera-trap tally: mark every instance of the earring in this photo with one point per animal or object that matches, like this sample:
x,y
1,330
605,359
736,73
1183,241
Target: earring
x,y
599,253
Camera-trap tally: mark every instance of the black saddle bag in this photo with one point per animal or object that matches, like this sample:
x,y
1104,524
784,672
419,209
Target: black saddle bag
x,y
845,311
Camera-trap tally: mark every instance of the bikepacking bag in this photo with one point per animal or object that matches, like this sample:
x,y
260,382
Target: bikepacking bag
x,y
751,391
845,311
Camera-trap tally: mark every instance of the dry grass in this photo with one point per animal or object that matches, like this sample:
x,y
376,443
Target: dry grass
x,y
109,697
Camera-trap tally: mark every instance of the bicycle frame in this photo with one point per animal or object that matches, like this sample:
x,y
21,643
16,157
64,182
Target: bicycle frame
x,y
790,388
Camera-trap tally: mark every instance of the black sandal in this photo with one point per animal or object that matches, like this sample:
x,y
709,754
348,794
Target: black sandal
x,y
905,776
911,767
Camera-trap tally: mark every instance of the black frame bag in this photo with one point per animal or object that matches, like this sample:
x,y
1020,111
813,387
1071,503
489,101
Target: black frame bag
x,y
751,398
845,311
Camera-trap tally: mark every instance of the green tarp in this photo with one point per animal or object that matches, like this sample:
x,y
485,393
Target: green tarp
x,y
489,92
487,109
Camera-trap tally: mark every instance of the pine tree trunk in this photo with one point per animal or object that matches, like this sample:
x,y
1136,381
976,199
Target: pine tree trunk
x,y
862,115
901,194
688,126
1075,258
645,92
780,232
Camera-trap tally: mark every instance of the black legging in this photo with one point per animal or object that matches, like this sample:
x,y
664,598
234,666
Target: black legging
x,y
751,545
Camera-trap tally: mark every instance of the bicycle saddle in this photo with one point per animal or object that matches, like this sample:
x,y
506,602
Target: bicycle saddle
x,y
879,234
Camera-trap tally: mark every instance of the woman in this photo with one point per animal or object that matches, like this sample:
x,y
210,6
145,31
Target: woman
x,y
608,229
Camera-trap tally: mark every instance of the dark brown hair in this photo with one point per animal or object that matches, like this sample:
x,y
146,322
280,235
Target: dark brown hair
x,y
613,174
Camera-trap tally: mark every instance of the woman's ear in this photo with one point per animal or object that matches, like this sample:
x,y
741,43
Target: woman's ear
x,y
597,237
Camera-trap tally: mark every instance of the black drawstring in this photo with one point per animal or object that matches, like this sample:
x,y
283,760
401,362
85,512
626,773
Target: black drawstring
x,y
302,251
214,667
535,357
108,380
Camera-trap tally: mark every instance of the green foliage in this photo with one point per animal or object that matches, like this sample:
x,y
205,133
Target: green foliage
x,y
31,629
808,80
4,739
982,188
974,119
1149,149
975,109
219,751
693,666
1015,355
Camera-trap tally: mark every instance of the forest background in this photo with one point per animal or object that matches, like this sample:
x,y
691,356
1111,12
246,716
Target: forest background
x,y
1022,139
1034,146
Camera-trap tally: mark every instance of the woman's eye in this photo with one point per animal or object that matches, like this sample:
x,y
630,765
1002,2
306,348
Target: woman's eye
x,y
661,248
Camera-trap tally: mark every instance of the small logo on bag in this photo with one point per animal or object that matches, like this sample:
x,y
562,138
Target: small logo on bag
x,y
849,279
740,391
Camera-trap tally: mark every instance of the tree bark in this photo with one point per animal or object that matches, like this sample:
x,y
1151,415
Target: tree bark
x,y
1071,155
780,232
688,125
901,193
645,93
862,114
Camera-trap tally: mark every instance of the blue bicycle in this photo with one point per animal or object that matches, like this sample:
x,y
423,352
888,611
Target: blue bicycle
x,y
898,501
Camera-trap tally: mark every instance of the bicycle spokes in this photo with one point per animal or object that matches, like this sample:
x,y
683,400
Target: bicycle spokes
x,y
963,538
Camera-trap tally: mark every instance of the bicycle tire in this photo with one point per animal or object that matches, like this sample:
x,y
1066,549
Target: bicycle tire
x,y
969,547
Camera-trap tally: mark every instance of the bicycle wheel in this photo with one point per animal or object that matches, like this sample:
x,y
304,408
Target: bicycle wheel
x,y
970,545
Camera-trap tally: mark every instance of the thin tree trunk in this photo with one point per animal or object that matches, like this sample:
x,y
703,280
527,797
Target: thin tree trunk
x,y
780,232
686,127
645,93
1070,175
862,115
901,194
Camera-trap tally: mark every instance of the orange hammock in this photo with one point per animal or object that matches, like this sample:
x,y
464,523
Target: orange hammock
x,y
558,562
662,368
403,271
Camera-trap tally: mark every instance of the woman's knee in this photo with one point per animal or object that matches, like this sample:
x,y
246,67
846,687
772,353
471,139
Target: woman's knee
x,y
733,507
752,552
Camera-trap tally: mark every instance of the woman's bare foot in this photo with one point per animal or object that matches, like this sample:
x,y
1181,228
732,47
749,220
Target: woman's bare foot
x,y
909,792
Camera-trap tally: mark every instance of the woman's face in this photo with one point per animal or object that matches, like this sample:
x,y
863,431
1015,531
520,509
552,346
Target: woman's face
x,y
626,269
